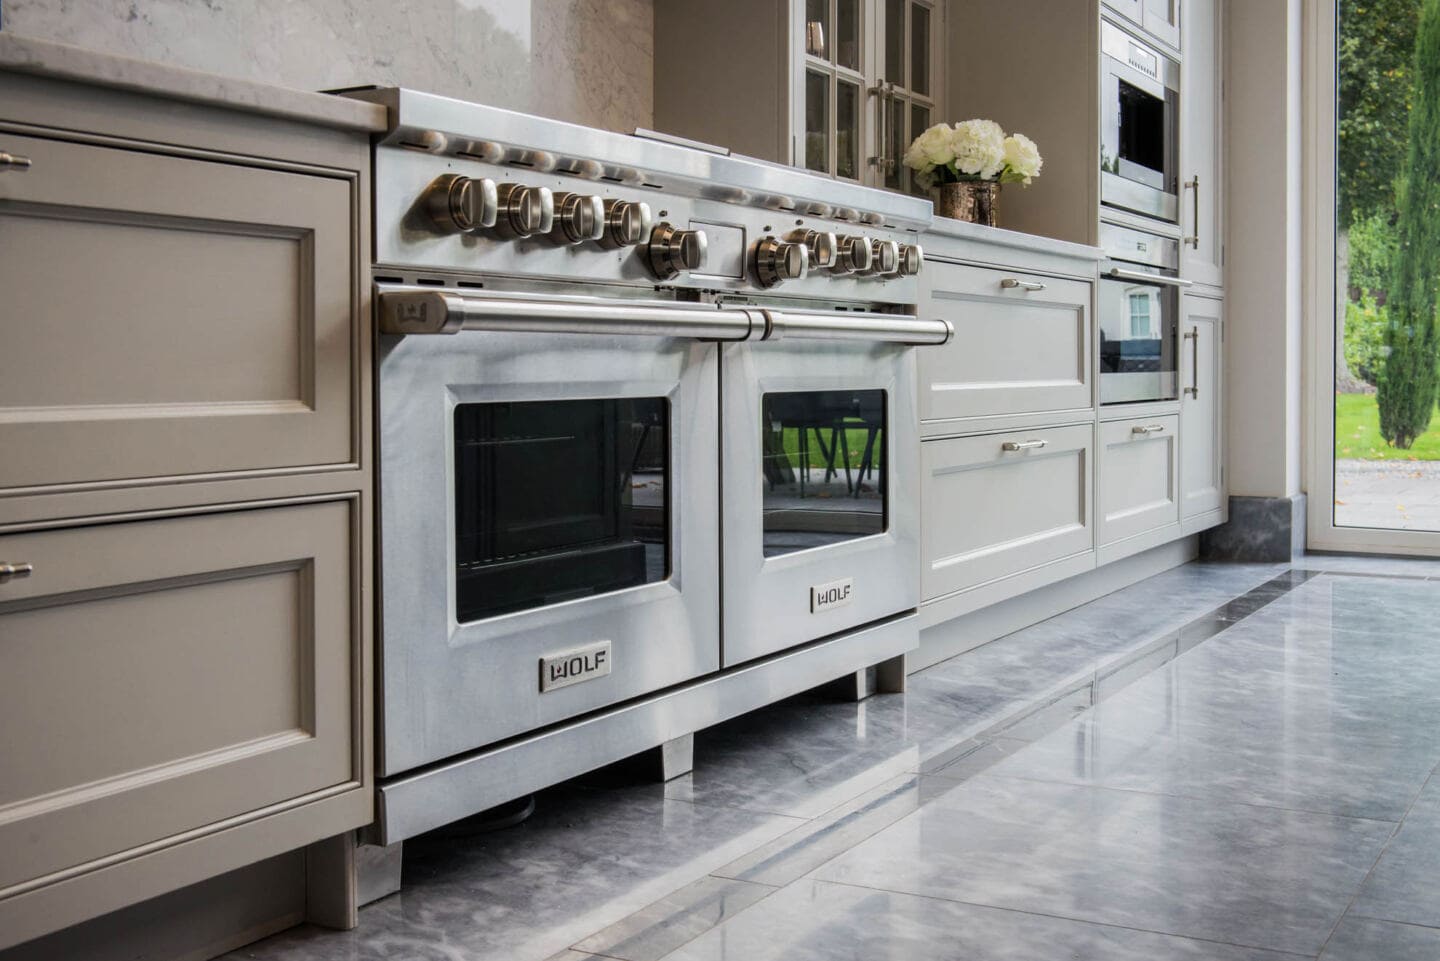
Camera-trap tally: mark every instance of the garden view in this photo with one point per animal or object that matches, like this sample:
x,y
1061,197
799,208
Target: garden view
x,y
1387,432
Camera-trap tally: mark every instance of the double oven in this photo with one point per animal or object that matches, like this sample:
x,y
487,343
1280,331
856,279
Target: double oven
x,y
646,421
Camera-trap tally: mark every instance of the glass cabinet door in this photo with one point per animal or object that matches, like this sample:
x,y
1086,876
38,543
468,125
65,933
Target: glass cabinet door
x,y
835,58
907,84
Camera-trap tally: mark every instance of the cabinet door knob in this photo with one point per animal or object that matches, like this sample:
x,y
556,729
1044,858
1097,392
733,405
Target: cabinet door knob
x,y
19,569
10,161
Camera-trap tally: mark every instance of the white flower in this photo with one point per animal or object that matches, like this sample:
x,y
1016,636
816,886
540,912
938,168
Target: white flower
x,y
1022,158
931,149
979,147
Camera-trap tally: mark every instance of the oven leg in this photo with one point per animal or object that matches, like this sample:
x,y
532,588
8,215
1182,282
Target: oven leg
x,y
673,758
342,875
887,677
890,676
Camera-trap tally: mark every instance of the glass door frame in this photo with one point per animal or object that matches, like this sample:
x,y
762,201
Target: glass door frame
x,y
834,72
1319,28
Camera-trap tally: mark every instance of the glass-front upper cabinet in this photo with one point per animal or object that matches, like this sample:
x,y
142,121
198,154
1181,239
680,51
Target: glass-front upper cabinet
x,y
870,86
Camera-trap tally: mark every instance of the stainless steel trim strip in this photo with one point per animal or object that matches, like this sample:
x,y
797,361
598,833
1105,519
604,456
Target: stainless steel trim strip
x,y
446,312
1145,278
415,803
835,325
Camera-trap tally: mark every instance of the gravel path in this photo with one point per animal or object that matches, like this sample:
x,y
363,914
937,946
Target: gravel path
x,y
1402,495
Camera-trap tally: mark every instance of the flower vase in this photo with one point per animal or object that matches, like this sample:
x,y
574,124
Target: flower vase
x,y
975,201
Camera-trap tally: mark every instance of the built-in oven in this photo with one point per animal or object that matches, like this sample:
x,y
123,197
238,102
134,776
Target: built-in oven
x,y
1139,316
1139,130
548,498
821,479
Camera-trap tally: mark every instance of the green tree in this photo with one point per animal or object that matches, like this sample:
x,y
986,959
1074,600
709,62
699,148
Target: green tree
x,y
1408,381
1375,53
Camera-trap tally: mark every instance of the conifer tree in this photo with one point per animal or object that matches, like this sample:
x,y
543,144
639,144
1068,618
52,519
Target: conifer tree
x,y
1408,381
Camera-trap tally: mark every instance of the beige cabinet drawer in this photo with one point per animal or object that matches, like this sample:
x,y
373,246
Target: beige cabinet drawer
x,y
167,316
990,511
1139,488
163,676
1021,345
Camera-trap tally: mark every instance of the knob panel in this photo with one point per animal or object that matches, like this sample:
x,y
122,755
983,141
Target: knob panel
x,y
672,250
777,261
460,205
578,218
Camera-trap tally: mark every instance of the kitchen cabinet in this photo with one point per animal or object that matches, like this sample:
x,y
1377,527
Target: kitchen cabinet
x,y
185,486
1161,19
839,87
1022,343
997,505
1202,145
1138,469
1202,440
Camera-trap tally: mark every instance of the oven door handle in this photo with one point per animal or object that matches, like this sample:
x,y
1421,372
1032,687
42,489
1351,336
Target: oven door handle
x,y
447,312
838,325
1143,278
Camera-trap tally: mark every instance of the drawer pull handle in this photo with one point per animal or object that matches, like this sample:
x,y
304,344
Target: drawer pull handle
x,y
10,161
8,571
1147,429
1014,445
1010,283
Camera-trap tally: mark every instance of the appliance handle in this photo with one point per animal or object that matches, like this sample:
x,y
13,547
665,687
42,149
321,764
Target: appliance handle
x,y
1143,278
1194,389
837,325
447,312
1194,239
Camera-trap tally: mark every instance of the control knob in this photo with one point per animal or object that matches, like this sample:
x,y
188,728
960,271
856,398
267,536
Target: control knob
x,y
578,218
912,259
671,250
460,205
884,258
777,261
853,254
820,243
627,222
525,211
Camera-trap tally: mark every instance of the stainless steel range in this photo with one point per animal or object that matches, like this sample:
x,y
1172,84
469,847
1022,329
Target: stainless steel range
x,y
616,375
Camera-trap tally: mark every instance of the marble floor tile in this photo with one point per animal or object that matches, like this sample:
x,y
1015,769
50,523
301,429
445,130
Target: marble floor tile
x,y
1209,870
1375,564
654,931
585,860
1405,885
1365,939
817,921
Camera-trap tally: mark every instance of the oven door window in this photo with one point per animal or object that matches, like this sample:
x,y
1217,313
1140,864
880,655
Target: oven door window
x,y
1138,324
823,460
556,500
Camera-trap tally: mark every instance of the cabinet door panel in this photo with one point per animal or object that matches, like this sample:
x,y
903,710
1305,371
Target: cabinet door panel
x,y
1138,487
1202,145
198,317
1202,479
164,675
990,512
1161,19
1016,350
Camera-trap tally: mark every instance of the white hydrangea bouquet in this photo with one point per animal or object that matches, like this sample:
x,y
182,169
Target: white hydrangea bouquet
x,y
970,161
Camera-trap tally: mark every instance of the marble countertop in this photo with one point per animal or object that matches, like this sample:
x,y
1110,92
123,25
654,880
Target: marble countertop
x,y
948,227
26,55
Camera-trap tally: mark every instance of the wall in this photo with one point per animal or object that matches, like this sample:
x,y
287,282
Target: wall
x,y
1263,269
587,61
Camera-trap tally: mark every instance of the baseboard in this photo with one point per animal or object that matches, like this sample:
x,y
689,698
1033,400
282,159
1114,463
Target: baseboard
x,y
958,635
1259,529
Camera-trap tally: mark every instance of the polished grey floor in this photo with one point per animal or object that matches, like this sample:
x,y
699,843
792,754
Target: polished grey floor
x,y
1225,762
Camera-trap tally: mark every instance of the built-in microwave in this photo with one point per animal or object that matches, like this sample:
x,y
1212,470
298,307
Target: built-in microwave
x,y
1139,131
1139,317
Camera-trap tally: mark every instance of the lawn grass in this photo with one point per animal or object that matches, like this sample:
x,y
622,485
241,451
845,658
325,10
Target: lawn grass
x,y
1357,433
855,437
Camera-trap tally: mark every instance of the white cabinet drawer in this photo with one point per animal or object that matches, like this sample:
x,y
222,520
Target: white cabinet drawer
x,y
1021,345
162,676
166,316
989,511
1138,476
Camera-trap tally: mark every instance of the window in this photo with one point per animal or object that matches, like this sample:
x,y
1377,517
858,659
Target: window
x,y
1140,317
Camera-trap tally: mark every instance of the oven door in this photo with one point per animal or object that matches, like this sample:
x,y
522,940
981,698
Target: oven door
x,y
820,487
1139,323
1138,127
548,530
